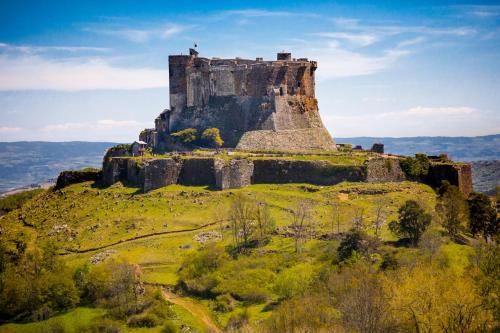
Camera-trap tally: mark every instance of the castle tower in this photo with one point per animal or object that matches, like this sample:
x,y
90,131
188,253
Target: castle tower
x,y
256,104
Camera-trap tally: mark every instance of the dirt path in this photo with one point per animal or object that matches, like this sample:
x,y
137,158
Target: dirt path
x,y
121,241
197,310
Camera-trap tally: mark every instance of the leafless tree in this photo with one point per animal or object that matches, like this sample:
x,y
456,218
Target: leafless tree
x,y
380,216
335,220
264,221
358,222
301,217
241,217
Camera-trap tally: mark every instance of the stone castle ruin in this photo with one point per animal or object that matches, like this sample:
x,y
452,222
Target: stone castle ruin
x,y
256,104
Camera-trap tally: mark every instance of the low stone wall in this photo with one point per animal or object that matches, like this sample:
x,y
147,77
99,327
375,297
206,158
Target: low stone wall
x,y
277,171
384,170
151,174
66,178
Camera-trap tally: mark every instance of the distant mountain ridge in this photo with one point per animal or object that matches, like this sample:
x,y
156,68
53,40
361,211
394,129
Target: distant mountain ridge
x,y
27,162
458,148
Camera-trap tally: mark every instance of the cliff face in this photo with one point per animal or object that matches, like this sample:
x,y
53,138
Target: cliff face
x,y
240,96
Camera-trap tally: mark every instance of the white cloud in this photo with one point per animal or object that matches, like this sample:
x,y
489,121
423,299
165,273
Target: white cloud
x,y
30,72
141,35
40,49
5,129
354,38
256,13
101,130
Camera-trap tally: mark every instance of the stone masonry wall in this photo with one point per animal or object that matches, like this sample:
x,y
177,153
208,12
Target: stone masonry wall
x,y
233,174
154,173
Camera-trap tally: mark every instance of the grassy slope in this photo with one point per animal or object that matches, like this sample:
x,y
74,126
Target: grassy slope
x,y
119,213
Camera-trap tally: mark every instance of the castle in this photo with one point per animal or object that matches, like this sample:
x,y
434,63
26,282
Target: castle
x,y
256,104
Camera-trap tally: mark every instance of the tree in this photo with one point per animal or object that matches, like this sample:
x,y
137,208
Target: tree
x,y
416,167
379,216
412,221
211,136
187,135
264,222
241,217
453,210
483,216
335,216
301,219
356,242
358,221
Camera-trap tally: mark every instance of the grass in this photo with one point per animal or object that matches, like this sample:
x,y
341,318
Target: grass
x,y
97,217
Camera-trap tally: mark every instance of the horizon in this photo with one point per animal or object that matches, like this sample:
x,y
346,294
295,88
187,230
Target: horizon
x,y
88,73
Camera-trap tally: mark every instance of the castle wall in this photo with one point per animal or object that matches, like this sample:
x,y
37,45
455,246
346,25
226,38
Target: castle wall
x,y
154,173
241,95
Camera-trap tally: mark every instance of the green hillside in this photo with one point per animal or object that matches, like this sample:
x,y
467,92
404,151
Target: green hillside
x,y
228,282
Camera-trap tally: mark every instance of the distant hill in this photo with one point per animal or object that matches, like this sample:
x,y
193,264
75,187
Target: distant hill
x,y
458,148
24,163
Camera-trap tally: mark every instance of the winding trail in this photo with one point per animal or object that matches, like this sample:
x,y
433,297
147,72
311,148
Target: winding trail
x,y
196,309
121,241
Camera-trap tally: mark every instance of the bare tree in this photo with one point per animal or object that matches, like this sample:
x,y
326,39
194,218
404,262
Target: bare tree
x,y
301,216
335,220
358,222
265,223
219,218
241,217
380,216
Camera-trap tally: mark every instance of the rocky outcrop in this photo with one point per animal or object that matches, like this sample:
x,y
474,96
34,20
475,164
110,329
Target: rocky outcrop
x,y
73,177
114,169
384,170
277,171
233,174
161,172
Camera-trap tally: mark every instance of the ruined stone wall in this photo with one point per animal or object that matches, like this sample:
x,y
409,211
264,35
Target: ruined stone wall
x,y
459,175
150,174
276,171
384,170
197,171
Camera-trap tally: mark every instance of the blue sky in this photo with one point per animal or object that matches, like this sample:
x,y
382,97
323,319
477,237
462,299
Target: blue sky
x,y
97,70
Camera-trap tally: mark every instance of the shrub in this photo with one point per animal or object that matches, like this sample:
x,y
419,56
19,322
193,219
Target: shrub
x,y
211,137
169,327
483,216
293,281
224,303
187,135
412,221
416,167
356,242
144,320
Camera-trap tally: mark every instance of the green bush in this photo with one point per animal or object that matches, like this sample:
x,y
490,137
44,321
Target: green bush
x,y
293,281
416,167
169,327
187,135
412,221
211,137
224,303
144,320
